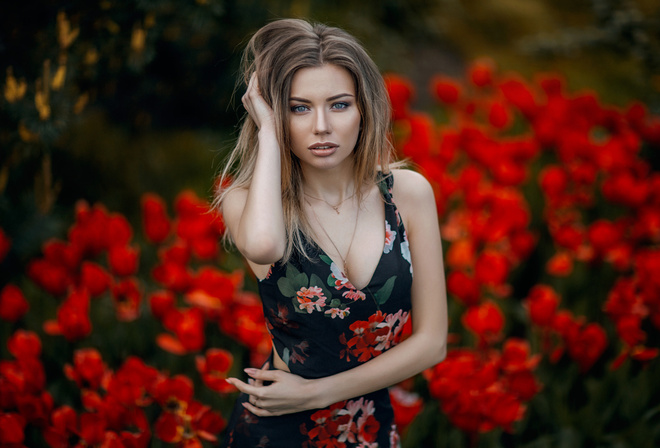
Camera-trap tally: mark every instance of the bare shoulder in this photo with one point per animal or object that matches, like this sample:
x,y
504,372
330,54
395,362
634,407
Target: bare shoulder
x,y
411,187
413,196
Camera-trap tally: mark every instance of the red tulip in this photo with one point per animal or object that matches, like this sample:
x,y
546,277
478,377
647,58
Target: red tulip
x,y
603,235
481,72
491,268
560,264
586,345
499,116
155,221
400,91
406,405
446,89
94,278
465,288
53,278
542,303
13,305
486,321
88,368
161,302
213,367
123,260
24,344
12,427
5,245
127,298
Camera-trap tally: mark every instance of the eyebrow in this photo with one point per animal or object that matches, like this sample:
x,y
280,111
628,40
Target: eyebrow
x,y
332,98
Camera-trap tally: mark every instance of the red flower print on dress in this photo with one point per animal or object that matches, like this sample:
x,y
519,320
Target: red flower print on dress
x,y
305,296
281,318
348,421
372,337
341,281
337,312
354,295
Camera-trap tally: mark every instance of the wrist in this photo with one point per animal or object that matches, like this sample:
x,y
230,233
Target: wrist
x,y
267,131
319,397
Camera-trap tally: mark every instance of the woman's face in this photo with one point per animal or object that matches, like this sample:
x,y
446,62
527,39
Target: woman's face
x,y
324,120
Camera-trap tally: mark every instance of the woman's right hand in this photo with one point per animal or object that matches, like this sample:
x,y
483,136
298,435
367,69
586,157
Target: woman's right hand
x,y
254,103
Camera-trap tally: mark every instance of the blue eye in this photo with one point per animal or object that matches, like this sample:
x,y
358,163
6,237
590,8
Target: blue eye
x,y
298,109
341,105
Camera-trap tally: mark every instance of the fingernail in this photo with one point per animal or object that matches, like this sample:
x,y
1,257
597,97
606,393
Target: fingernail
x,y
250,371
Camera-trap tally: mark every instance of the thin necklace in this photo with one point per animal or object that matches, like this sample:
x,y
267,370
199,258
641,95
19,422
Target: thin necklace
x,y
343,259
335,207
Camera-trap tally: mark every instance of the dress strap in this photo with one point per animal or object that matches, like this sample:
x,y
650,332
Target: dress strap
x,y
385,184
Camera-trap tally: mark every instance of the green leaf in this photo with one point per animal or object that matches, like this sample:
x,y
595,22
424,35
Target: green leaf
x,y
383,294
331,280
327,260
291,271
294,280
286,287
300,281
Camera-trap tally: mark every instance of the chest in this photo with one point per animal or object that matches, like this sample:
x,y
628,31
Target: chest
x,y
354,239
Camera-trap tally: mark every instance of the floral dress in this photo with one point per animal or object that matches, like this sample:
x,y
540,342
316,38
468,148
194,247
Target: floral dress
x,y
321,325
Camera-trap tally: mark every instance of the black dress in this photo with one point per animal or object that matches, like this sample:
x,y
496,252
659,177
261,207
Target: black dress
x,y
322,325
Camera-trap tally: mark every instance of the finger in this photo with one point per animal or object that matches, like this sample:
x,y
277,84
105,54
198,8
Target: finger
x,y
263,375
244,387
261,412
260,382
253,86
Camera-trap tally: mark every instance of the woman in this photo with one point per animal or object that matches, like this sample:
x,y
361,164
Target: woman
x,y
311,207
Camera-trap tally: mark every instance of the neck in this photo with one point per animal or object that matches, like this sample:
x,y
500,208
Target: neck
x,y
332,186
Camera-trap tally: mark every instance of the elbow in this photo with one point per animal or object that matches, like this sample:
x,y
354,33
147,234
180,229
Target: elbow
x,y
437,350
442,353
263,250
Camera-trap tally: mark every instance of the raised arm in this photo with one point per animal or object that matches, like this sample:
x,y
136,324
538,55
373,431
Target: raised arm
x,y
424,348
254,215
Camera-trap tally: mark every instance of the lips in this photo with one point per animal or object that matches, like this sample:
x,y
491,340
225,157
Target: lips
x,y
323,149
323,146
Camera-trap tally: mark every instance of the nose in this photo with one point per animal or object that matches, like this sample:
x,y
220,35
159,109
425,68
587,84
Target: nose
x,y
322,123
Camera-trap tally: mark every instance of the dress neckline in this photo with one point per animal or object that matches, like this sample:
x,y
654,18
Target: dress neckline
x,y
322,251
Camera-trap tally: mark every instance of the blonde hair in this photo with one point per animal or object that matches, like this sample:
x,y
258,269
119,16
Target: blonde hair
x,y
275,53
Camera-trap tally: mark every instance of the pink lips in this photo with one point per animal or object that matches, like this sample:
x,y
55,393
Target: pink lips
x,y
323,145
323,148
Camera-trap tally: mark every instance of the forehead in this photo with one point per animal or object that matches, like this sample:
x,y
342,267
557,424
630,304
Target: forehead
x,y
322,82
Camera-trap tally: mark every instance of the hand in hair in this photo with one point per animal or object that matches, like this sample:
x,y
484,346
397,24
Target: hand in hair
x,y
260,112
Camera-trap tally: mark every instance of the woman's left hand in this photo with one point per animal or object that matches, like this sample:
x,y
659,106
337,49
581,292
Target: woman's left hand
x,y
287,393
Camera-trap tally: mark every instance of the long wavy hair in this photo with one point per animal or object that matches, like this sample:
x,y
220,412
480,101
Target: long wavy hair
x,y
275,53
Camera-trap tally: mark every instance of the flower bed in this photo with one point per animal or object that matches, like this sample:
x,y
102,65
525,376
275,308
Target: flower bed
x,y
550,214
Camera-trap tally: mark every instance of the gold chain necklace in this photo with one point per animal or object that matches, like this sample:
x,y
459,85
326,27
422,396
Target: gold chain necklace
x,y
343,259
335,207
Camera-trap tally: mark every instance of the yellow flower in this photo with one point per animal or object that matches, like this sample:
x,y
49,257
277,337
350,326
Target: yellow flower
x,y
14,89
65,35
